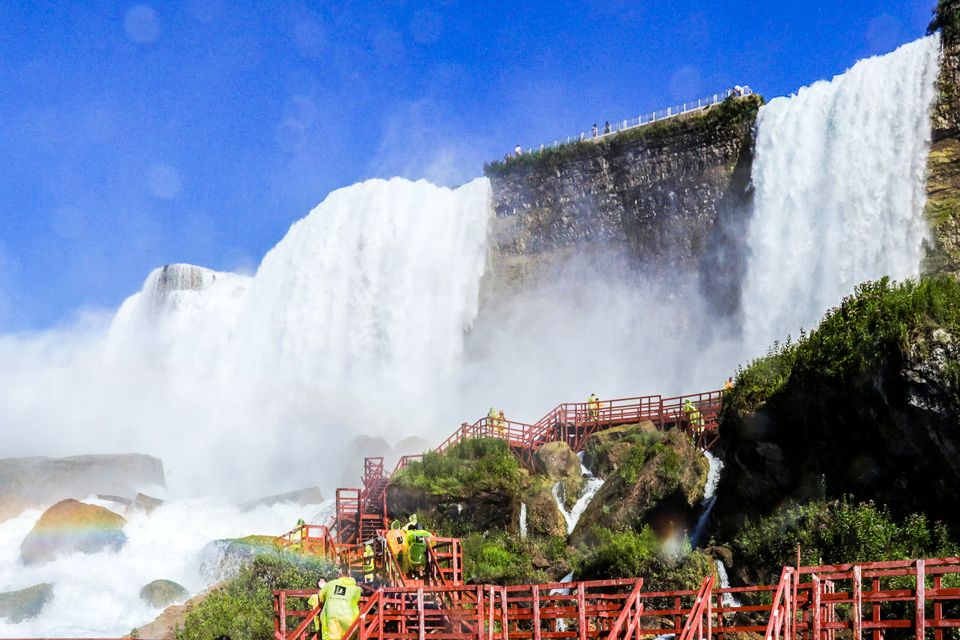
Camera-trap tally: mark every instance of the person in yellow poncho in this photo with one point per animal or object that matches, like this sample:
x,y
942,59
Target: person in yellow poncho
x,y
341,606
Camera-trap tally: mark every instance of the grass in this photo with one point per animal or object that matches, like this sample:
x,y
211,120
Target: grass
x,y
468,468
881,320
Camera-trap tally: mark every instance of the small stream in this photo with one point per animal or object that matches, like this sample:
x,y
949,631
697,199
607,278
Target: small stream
x,y
709,498
593,485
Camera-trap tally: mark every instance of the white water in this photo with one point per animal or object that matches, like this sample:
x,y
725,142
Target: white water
x,y
368,297
99,594
709,498
727,599
523,520
590,489
839,178
248,383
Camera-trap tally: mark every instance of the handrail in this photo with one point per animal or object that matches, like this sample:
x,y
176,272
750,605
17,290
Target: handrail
x,y
780,625
629,606
702,609
642,120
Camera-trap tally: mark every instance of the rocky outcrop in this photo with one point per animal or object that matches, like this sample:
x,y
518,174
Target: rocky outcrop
x,y
69,527
943,164
17,606
557,462
606,450
166,625
39,482
162,593
658,482
222,559
656,198
480,511
543,514
888,433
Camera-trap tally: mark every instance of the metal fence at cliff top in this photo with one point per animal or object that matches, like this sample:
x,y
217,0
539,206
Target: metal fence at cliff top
x,y
643,120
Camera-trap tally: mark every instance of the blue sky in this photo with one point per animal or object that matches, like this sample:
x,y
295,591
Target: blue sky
x,y
138,134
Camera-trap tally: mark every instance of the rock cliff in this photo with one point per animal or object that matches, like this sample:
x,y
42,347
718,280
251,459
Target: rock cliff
x,y
655,198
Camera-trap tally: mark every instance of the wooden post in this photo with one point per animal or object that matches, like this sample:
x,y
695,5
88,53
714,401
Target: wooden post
x,y
816,607
920,621
536,612
420,616
283,614
581,612
856,612
504,622
937,610
875,608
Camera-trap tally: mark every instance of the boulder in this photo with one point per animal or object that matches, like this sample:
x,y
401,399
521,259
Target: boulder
x,y
557,461
37,482
659,481
604,451
543,514
71,526
144,504
165,626
17,606
161,593
223,559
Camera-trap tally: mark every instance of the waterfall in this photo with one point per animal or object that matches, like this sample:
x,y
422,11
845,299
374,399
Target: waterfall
x,y
709,497
523,520
727,599
839,190
593,485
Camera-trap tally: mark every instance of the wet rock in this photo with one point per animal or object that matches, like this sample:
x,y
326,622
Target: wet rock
x,y
17,606
161,593
71,526
543,515
38,482
223,559
143,504
659,482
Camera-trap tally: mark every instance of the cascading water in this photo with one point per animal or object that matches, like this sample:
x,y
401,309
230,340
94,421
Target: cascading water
x,y
590,489
523,520
727,599
709,497
839,190
98,594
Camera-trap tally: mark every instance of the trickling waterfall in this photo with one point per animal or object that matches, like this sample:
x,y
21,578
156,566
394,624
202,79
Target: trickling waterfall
x,y
727,599
839,190
709,497
572,517
523,520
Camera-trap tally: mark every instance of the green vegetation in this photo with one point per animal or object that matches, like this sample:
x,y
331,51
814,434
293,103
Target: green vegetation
x,y
838,531
733,113
630,554
469,467
946,19
501,558
881,318
242,607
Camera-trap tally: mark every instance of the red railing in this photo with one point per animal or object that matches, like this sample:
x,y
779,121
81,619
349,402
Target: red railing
x,y
313,539
699,623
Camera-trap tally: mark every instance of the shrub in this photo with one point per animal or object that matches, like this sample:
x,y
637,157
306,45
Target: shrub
x,y
838,531
242,607
499,558
469,467
630,554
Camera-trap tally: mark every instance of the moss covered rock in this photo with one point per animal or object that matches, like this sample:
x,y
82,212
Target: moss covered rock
x,y
71,526
659,481
17,606
475,486
604,451
223,559
161,593
558,462
543,514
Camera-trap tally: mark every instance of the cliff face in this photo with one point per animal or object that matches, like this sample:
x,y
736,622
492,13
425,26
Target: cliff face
x,y
656,198
943,165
